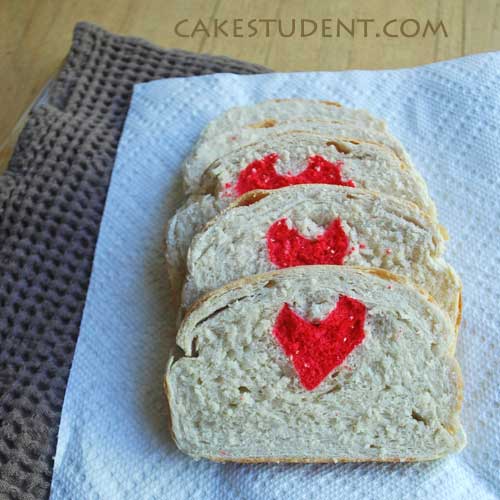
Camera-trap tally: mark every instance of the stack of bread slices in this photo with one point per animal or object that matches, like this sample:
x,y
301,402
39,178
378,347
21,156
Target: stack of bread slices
x,y
318,315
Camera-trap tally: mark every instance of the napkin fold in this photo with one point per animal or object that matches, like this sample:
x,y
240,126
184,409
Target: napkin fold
x,y
113,437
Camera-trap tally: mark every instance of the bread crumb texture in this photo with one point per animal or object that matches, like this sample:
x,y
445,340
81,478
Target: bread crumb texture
x,y
395,396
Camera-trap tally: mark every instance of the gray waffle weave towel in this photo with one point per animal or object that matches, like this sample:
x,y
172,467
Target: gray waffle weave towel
x,y
51,198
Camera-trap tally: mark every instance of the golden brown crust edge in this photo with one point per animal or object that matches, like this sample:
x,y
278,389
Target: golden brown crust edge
x,y
407,282
317,460
247,280
168,397
460,307
328,103
251,197
402,164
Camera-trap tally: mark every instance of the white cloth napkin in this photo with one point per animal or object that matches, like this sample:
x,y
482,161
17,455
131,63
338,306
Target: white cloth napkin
x,y
113,437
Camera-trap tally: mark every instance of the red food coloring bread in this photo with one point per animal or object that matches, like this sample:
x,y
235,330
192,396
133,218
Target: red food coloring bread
x,y
288,248
261,174
317,348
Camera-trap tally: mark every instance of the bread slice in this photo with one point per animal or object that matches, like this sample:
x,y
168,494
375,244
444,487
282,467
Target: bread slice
x,y
208,150
286,109
316,364
306,158
181,228
361,164
321,224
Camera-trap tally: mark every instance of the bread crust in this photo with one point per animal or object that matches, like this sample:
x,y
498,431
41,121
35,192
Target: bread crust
x,y
266,123
313,133
270,122
169,398
287,460
248,280
251,197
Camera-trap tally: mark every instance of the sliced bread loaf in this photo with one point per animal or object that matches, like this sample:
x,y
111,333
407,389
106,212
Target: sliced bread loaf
x,y
287,159
208,150
320,224
316,363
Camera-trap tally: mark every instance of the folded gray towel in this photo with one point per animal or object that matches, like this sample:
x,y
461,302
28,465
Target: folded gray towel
x,y
51,201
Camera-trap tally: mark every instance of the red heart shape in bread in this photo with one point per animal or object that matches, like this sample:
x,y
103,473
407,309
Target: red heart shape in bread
x,y
316,348
261,174
288,248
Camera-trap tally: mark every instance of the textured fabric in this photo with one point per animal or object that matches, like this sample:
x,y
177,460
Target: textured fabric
x,y
52,197
114,440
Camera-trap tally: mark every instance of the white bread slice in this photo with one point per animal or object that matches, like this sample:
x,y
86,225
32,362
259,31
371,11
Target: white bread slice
x,y
368,165
286,109
208,150
376,231
236,396
188,219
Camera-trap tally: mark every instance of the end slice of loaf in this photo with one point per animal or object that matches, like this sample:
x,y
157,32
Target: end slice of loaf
x,y
209,149
393,395
286,109
268,230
